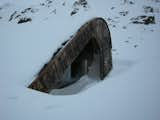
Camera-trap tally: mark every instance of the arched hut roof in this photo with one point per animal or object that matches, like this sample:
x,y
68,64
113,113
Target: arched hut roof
x,y
50,76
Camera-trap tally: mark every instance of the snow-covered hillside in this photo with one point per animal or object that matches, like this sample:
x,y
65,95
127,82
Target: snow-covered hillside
x,y
31,31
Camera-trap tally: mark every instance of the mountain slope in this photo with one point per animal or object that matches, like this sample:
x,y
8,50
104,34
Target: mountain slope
x,y
130,92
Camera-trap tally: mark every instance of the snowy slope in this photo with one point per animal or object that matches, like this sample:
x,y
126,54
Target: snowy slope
x,y
132,89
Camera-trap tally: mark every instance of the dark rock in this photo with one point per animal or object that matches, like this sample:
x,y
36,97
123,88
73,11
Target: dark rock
x,y
54,11
17,16
74,12
80,2
42,4
148,9
126,41
143,20
24,20
12,15
47,3
124,27
63,3
112,8
131,2
135,46
31,10
113,26
124,13
77,5
26,10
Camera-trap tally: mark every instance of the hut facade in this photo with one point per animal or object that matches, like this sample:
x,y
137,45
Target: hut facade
x,y
76,56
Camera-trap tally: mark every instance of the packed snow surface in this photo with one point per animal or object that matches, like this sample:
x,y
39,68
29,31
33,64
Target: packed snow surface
x,y
31,31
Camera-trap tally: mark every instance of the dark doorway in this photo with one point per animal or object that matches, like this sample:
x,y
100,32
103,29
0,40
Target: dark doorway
x,y
83,72
88,62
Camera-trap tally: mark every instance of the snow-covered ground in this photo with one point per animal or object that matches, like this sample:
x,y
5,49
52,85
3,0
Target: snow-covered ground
x,y
130,92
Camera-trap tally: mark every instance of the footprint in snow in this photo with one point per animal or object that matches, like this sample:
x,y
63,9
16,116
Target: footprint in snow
x,y
13,97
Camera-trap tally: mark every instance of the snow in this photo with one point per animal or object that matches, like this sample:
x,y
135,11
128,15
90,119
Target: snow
x,y
132,89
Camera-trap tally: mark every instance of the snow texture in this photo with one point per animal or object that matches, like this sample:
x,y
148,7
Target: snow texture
x,y
130,92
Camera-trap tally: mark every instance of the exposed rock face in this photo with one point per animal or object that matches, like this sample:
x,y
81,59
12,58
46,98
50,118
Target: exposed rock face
x,y
146,20
93,36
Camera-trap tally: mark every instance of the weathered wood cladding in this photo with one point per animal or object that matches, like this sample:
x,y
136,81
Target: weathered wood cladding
x,y
51,76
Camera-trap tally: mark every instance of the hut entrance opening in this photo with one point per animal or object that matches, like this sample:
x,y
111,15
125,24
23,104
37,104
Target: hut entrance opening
x,y
86,63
